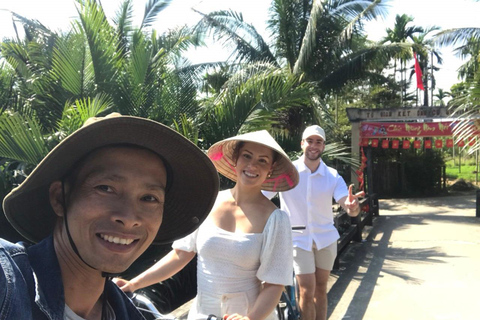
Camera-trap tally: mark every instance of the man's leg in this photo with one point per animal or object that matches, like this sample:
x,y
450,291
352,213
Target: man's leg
x,y
306,299
321,300
324,259
304,266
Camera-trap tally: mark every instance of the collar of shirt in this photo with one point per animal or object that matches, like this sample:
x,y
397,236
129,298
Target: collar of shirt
x,y
301,166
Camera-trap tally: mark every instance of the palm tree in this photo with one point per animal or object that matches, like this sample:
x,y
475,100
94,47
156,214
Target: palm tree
x,y
465,103
53,82
400,34
440,95
426,50
320,42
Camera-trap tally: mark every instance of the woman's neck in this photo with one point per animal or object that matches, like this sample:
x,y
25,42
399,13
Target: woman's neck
x,y
243,194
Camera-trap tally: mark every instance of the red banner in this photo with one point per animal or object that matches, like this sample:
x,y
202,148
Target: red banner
x,y
417,144
406,144
405,129
395,144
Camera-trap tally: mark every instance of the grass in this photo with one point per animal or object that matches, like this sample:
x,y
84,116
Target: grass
x,y
465,171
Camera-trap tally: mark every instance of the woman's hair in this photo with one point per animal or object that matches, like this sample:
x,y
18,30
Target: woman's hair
x,y
240,144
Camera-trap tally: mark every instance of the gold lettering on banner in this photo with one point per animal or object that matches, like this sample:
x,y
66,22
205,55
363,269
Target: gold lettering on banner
x,y
442,127
414,129
427,128
394,128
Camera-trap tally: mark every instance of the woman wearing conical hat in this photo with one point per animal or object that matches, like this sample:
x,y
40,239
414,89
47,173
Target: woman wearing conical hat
x,y
244,245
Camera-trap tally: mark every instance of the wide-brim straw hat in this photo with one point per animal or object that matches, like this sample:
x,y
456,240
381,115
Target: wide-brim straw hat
x,y
284,175
192,188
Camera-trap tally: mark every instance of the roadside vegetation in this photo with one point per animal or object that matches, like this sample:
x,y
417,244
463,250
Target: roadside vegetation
x,y
318,63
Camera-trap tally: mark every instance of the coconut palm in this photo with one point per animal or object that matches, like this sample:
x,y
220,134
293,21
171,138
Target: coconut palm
x,y
401,33
465,103
320,42
440,95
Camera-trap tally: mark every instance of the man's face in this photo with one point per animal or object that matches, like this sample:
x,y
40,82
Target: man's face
x,y
313,147
115,207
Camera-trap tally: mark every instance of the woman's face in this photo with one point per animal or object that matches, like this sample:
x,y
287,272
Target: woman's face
x,y
254,163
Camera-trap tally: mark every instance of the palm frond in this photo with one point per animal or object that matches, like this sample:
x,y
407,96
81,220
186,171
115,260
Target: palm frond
x,y
152,8
309,39
75,114
229,27
21,138
456,35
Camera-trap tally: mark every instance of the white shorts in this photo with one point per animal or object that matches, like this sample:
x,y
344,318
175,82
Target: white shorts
x,y
305,262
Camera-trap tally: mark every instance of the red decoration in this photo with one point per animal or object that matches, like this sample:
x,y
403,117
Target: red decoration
x,y
438,144
375,130
385,144
418,73
406,144
395,144
359,172
449,143
428,144
417,144
461,143
374,143
471,141
364,142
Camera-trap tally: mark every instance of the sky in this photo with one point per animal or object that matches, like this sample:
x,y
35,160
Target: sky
x,y
446,14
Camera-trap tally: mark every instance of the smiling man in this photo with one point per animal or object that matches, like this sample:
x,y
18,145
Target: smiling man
x,y
309,204
94,204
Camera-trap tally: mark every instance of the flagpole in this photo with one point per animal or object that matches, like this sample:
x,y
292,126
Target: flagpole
x,y
431,75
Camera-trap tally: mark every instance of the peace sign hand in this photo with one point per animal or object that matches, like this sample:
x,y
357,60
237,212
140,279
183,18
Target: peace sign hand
x,y
352,205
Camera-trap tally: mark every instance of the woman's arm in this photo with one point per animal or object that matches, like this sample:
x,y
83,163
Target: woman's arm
x,y
169,265
264,305
266,301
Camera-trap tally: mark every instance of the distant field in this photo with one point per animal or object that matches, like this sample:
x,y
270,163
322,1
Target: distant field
x,y
465,172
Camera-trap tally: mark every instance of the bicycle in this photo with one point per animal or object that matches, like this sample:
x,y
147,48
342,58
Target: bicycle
x,y
287,308
150,312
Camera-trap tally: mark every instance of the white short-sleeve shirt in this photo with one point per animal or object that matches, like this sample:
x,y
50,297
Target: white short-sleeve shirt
x,y
309,204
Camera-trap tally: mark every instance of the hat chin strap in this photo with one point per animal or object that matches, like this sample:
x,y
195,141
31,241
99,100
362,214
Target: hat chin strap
x,y
70,239
106,275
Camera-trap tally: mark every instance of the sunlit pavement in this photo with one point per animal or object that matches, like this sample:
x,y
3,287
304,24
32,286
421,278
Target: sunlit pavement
x,y
420,260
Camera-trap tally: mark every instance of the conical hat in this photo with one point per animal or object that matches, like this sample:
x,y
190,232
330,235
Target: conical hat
x,y
284,176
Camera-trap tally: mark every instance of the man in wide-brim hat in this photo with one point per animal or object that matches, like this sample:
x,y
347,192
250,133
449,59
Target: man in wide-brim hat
x,y
94,204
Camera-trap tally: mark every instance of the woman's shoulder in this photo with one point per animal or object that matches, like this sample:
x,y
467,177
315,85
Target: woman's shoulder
x,y
279,217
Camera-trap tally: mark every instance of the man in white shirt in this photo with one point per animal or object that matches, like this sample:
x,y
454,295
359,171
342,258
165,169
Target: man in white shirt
x,y
309,204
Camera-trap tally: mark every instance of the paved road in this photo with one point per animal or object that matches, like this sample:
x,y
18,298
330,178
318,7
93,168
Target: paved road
x,y
420,261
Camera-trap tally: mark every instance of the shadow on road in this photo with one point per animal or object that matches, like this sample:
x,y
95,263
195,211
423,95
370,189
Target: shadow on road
x,y
366,262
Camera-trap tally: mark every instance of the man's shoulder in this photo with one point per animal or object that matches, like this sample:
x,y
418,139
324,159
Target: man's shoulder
x,y
12,248
330,170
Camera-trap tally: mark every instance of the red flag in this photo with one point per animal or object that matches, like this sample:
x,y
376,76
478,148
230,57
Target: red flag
x,y
428,144
417,144
418,73
449,143
385,144
395,144
438,144
406,144
375,143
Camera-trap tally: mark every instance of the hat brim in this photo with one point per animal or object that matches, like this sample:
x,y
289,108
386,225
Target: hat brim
x,y
190,197
284,175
